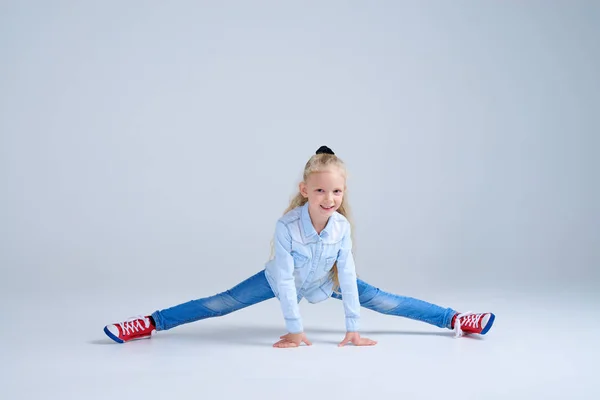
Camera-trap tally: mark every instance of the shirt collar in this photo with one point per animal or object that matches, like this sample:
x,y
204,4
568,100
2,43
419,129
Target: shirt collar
x,y
309,229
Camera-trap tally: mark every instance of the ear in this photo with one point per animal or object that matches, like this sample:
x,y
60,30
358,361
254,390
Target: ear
x,y
303,190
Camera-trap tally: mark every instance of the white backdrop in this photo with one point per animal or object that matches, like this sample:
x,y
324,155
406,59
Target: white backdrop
x,y
135,135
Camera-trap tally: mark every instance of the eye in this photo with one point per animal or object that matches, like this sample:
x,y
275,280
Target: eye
x,y
319,190
337,191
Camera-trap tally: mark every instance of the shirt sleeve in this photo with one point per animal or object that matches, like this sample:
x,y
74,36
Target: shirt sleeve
x,y
348,284
283,275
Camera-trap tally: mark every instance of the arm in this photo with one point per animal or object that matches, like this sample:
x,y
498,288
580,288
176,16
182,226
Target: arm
x,y
347,279
348,285
283,274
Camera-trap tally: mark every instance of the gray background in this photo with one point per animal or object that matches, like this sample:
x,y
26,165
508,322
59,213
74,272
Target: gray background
x,y
147,149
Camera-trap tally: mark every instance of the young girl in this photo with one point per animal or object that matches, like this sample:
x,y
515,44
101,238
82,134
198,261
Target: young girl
x,y
312,258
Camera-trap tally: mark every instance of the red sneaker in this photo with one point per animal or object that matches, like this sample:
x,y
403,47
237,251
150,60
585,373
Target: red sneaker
x,y
134,328
469,322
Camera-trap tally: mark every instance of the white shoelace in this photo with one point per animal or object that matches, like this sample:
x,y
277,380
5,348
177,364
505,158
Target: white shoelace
x,y
472,319
134,324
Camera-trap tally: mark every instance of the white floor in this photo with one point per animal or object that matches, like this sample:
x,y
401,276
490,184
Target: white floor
x,y
542,347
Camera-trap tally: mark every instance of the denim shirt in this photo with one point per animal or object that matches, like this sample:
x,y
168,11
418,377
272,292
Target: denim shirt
x,y
303,261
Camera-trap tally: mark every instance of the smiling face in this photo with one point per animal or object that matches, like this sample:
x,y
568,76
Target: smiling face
x,y
325,193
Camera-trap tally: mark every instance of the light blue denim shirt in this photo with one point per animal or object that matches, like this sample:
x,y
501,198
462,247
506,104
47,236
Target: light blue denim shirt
x,y
303,261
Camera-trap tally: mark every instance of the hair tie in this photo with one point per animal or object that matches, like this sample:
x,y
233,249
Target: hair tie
x,y
324,150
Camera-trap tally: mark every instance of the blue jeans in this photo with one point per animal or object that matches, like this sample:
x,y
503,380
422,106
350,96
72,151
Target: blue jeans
x,y
256,289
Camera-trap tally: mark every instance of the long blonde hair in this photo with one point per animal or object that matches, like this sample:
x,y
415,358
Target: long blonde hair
x,y
318,163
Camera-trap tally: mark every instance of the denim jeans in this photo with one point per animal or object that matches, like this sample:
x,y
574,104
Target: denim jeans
x,y
256,289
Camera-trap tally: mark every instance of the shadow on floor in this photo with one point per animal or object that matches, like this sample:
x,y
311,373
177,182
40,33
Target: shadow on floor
x,y
266,336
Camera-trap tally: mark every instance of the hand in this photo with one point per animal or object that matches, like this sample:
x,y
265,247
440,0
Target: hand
x,y
355,339
292,340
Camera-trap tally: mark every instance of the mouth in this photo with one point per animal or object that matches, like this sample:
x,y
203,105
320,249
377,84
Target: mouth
x,y
327,208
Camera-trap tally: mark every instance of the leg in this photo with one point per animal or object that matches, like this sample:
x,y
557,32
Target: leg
x,y
387,303
251,291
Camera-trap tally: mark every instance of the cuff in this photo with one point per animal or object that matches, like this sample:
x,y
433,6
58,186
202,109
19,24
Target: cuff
x,y
352,324
294,325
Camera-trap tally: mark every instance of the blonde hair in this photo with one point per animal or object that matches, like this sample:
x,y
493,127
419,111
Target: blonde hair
x,y
319,163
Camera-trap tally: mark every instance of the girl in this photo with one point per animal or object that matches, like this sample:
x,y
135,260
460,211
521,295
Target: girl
x,y
311,258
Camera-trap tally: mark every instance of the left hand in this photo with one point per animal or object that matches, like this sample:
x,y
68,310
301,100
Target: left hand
x,y
292,340
355,339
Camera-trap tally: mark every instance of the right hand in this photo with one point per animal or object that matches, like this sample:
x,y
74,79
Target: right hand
x,y
355,339
292,340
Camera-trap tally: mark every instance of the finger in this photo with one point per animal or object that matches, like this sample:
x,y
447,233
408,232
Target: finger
x,y
367,342
370,341
285,344
308,342
279,343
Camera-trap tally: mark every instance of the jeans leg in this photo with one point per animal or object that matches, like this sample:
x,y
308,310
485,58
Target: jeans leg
x,y
391,304
251,291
